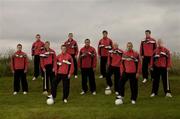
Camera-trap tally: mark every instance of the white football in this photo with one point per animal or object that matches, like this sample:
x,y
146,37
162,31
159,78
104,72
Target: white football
x,y
50,101
118,102
108,92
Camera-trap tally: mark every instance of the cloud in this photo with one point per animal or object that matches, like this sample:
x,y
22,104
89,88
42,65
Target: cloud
x,y
126,20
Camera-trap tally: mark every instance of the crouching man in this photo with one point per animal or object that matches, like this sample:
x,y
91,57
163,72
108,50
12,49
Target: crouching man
x,y
65,69
131,68
19,63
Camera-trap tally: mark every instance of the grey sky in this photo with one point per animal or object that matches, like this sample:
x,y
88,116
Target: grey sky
x,y
125,20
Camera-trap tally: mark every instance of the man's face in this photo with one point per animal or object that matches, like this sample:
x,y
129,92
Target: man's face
x,y
47,45
70,36
63,49
159,43
129,46
87,42
115,45
105,34
19,48
147,34
38,37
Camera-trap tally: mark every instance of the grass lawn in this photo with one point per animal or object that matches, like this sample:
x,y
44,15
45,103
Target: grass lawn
x,y
33,105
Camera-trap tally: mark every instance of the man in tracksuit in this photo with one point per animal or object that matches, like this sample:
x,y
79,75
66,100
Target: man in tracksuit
x,y
131,65
72,49
37,48
105,44
19,64
147,47
48,65
160,64
65,69
87,62
114,62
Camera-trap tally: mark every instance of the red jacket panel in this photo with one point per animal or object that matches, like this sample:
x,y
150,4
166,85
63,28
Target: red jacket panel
x,y
19,60
65,64
72,47
87,57
131,62
161,58
115,57
37,47
147,47
105,44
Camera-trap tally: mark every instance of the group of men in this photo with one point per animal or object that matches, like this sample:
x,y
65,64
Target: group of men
x,y
123,64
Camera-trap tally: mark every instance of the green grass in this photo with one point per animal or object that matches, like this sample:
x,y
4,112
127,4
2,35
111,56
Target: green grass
x,y
33,105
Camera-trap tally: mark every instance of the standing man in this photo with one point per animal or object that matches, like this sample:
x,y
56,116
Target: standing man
x,y
147,47
160,64
65,69
131,69
19,64
72,49
114,62
37,48
105,44
87,62
48,65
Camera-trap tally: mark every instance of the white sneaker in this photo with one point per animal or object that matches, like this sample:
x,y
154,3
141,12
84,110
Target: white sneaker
x,y
119,97
82,93
108,88
168,95
15,93
116,93
49,96
101,76
34,78
45,93
152,95
144,81
24,92
133,102
94,93
75,76
65,100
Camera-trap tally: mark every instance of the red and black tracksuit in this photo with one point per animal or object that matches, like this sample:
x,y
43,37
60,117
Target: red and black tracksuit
x,y
105,44
19,64
37,48
114,62
72,49
147,47
48,64
160,62
65,67
87,62
130,67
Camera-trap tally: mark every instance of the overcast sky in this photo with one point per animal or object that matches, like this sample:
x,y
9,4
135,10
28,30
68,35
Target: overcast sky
x,y
126,20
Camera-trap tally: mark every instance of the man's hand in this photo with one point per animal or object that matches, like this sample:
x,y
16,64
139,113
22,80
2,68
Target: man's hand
x,y
13,71
44,69
137,75
25,71
69,76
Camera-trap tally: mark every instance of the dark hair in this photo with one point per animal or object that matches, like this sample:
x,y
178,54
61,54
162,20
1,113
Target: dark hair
x,y
38,35
87,39
47,42
19,45
63,45
105,32
148,31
